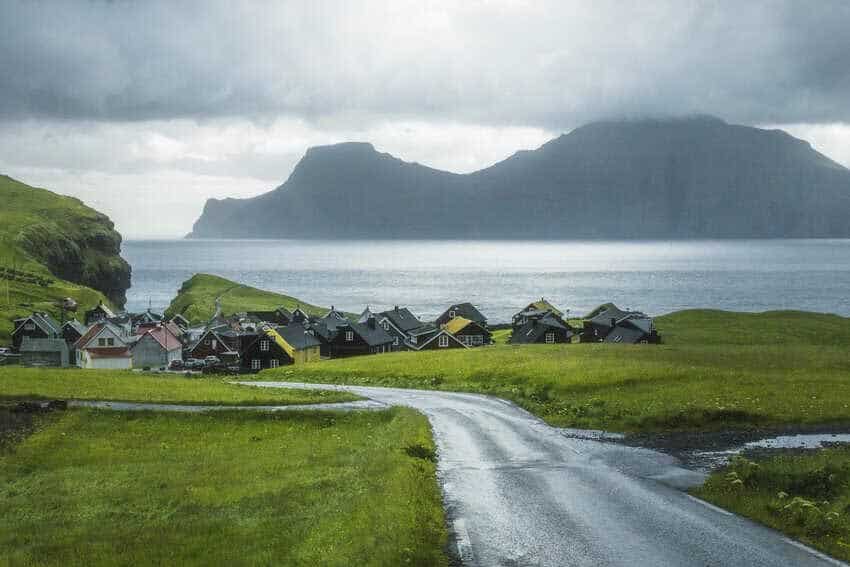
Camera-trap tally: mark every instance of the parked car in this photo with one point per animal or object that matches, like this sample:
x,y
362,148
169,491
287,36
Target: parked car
x,y
212,360
191,363
4,351
175,365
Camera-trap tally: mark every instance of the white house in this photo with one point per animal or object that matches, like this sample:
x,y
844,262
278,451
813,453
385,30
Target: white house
x,y
104,345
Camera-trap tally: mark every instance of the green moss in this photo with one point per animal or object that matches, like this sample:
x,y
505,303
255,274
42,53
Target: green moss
x,y
718,370
234,488
197,295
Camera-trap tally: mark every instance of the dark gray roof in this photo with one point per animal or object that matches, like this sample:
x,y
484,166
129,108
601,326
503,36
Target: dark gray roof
x,y
373,337
365,315
465,310
298,336
76,325
44,321
626,334
536,328
423,330
402,318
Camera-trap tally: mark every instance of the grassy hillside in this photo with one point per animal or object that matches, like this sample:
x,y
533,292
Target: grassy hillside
x,y
197,295
717,370
53,247
235,488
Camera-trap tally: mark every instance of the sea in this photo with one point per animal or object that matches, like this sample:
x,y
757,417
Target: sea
x,y
500,277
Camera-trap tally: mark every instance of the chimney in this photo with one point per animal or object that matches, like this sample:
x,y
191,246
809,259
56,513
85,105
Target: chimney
x,y
396,308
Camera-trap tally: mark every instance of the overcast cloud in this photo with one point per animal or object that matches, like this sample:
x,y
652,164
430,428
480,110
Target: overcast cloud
x,y
145,103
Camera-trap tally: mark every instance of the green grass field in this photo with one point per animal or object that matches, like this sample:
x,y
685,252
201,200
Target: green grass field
x,y
236,488
805,495
197,295
124,385
717,370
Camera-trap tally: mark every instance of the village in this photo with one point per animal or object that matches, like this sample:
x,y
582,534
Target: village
x,y
251,341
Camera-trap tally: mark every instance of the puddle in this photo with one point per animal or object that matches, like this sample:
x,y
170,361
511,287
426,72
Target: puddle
x,y
807,441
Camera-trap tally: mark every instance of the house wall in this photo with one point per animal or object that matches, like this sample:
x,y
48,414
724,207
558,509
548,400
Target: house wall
x,y
472,331
312,354
53,359
117,363
35,333
435,345
253,352
148,353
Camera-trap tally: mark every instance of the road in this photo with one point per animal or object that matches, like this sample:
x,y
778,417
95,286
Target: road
x,y
519,492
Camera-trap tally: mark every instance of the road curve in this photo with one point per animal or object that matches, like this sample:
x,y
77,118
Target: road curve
x,y
519,493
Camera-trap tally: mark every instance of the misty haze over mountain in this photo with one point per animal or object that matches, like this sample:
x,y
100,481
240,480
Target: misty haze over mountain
x,y
673,178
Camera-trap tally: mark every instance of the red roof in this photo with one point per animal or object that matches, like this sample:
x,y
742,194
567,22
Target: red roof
x,y
163,335
109,352
88,335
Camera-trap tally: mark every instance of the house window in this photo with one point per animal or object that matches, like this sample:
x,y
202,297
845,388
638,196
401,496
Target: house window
x,y
452,314
110,342
443,341
207,342
349,336
214,343
395,341
101,342
274,363
478,339
386,325
264,345
550,338
413,340
29,327
256,364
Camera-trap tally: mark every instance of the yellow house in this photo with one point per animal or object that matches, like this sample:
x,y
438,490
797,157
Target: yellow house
x,y
297,342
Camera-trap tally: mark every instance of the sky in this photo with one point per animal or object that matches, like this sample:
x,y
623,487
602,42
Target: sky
x,y
146,109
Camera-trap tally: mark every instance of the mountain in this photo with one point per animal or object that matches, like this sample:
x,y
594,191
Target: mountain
x,y
695,177
52,247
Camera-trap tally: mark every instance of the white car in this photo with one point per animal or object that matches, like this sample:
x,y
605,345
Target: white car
x,y
5,351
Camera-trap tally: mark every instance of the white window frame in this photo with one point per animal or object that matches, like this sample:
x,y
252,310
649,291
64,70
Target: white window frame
x,y
550,338
443,341
256,364
264,345
349,336
101,342
395,341
274,363
214,344
452,314
110,341
29,326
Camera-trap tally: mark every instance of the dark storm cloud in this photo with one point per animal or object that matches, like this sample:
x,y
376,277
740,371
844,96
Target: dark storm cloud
x,y
548,65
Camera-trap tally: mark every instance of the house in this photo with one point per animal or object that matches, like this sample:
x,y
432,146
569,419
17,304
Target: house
x,y
72,331
634,330
266,350
546,329
632,326
397,322
223,343
535,310
99,312
300,344
180,321
155,347
146,318
104,345
44,352
300,316
439,339
279,316
350,339
35,326
465,310
468,332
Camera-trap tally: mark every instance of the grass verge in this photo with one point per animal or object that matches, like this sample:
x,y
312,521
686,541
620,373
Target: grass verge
x,y
126,386
804,495
234,488
717,370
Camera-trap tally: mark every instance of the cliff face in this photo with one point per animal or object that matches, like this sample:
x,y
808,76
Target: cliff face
x,y
72,241
697,177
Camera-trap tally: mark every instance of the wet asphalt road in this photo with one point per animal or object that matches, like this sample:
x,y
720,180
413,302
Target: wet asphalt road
x,y
518,492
